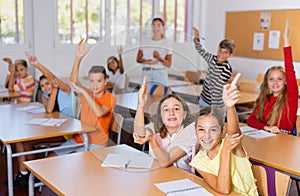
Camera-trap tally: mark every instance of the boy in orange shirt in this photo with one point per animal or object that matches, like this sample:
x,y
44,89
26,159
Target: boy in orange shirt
x,y
19,80
97,104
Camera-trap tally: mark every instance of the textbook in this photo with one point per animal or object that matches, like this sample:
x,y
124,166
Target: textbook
x,y
184,187
256,133
47,121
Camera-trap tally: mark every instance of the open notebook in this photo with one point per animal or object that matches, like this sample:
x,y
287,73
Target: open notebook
x,y
184,187
255,133
131,158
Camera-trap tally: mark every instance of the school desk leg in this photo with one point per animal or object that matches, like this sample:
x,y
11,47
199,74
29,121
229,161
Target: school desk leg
x,y
9,170
31,185
85,141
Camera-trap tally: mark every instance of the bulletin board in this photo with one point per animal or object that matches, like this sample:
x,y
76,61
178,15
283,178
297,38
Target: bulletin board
x,y
242,27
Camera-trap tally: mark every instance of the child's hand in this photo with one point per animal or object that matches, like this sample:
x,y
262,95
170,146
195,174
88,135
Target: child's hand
x,y
143,94
272,129
81,49
32,59
232,141
55,82
12,68
77,88
142,140
286,36
196,34
230,92
8,60
120,50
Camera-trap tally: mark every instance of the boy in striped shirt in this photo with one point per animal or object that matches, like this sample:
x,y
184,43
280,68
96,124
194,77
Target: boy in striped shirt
x,y
218,74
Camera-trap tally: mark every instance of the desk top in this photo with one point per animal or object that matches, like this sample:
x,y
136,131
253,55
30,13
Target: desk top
x,y
8,94
92,179
13,127
280,152
129,101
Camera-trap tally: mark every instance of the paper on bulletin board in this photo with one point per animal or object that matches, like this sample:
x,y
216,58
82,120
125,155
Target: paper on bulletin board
x,y
274,39
265,20
258,41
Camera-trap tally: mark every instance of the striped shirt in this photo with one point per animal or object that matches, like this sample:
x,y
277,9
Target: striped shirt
x,y
25,86
217,76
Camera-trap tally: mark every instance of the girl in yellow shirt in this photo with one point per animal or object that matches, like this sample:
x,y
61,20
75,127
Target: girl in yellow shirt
x,y
222,161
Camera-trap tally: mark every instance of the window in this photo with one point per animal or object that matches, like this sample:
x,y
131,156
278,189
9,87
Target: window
x,y
119,21
12,22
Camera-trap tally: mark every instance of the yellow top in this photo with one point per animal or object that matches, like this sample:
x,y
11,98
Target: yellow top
x,y
243,181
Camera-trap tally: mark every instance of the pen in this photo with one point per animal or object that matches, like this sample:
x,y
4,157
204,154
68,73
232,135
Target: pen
x,y
127,164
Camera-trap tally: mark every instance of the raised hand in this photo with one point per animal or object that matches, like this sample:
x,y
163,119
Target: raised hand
x,y
33,60
8,60
286,36
120,50
230,92
81,49
196,34
143,94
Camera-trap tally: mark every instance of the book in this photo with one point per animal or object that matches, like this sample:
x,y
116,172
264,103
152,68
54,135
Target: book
x,y
46,121
184,187
256,133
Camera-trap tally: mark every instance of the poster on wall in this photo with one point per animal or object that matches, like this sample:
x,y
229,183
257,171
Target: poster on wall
x,y
258,41
265,20
274,39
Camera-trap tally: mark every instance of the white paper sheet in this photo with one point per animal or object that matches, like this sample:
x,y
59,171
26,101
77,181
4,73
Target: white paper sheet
x,y
128,161
182,187
46,121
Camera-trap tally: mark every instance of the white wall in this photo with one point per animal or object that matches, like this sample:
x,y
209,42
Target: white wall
x,y
215,30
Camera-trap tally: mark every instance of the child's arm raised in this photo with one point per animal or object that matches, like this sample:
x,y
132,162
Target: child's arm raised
x,y
139,122
120,50
33,60
81,51
99,110
230,96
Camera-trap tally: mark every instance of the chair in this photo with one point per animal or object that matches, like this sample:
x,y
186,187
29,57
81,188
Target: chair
x,y
246,109
260,78
116,127
194,76
282,181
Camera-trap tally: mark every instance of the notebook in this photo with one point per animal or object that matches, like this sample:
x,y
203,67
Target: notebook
x,y
256,133
47,121
184,187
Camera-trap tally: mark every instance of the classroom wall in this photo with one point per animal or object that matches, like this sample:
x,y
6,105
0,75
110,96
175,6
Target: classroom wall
x,y
209,18
214,30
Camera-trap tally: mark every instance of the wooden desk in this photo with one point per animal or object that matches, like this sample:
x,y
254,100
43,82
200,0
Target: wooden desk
x,y
280,152
13,129
127,103
10,95
192,93
86,176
